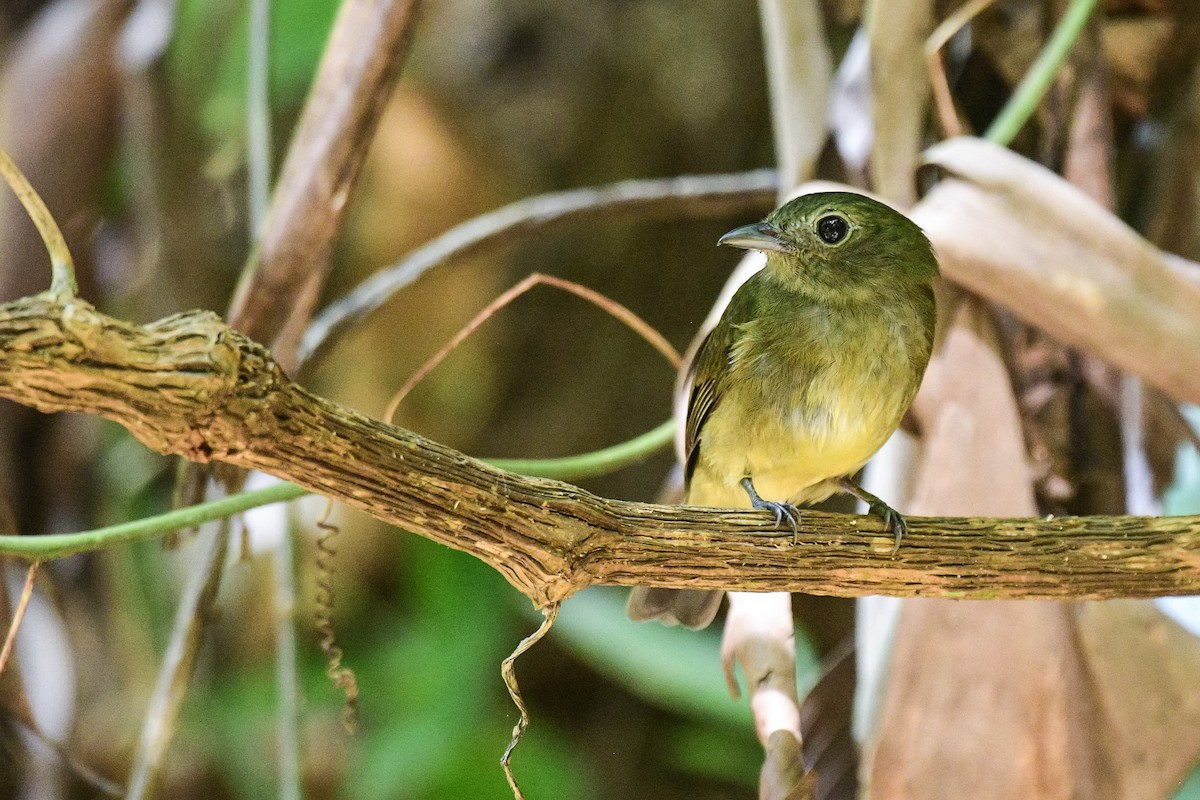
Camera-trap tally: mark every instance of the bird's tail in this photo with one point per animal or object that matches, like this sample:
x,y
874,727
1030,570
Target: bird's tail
x,y
691,608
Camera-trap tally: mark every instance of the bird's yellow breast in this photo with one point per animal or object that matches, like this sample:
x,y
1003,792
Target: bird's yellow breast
x,y
805,405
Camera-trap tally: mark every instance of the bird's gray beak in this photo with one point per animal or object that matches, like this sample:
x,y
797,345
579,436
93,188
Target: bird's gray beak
x,y
759,236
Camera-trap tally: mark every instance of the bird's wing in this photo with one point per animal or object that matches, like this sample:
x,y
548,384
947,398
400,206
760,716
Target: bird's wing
x,y
710,372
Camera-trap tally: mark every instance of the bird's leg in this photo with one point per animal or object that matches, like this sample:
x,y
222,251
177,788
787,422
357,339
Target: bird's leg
x,y
890,516
780,510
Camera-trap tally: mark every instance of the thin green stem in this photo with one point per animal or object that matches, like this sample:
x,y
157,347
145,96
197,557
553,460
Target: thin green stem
x,y
590,465
1033,86
258,114
567,468
59,545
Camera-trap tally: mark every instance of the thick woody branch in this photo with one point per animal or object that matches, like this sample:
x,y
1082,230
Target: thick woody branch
x,y
192,386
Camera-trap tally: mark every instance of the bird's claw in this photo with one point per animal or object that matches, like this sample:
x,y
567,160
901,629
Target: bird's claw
x,y
781,511
892,520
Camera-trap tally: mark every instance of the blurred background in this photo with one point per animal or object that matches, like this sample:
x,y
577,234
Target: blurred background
x,y
130,119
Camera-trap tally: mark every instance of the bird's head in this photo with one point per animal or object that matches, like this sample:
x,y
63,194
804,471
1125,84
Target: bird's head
x,y
840,245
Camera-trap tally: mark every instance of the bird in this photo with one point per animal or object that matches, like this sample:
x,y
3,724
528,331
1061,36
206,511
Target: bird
x,y
809,370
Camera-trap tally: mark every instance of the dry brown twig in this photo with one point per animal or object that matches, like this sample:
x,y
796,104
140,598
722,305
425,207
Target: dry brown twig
x,y
18,614
343,677
354,80
612,307
689,196
508,673
943,98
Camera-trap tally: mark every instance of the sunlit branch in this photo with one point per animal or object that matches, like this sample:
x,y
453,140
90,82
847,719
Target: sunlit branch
x,y
191,386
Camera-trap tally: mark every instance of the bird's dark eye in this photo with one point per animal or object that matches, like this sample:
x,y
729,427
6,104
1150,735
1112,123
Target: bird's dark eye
x,y
832,229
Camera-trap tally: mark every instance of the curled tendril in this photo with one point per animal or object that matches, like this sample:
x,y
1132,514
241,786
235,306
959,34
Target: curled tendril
x,y
341,676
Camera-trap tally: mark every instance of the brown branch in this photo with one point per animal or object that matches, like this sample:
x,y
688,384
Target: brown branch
x,y
612,307
354,80
18,615
190,385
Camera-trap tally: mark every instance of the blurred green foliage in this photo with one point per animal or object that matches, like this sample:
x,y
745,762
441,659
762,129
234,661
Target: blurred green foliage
x,y
207,59
1190,790
434,715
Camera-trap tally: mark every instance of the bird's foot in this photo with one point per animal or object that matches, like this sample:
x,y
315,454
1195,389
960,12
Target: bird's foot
x,y
781,511
892,519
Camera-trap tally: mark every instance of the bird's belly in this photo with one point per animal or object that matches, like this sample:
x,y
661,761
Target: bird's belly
x,y
790,453
785,466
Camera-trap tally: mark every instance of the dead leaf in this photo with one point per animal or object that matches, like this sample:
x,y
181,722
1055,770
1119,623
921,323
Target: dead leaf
x,y
899,93
989,701
965,680
1018,234
799,71
1028,700
973,460
1145,669
760,635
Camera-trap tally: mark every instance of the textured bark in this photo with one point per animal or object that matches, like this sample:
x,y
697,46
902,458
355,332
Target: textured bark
x,y
192,386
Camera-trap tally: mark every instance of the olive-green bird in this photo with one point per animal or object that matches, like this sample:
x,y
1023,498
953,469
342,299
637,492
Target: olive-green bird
x,y
809,370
